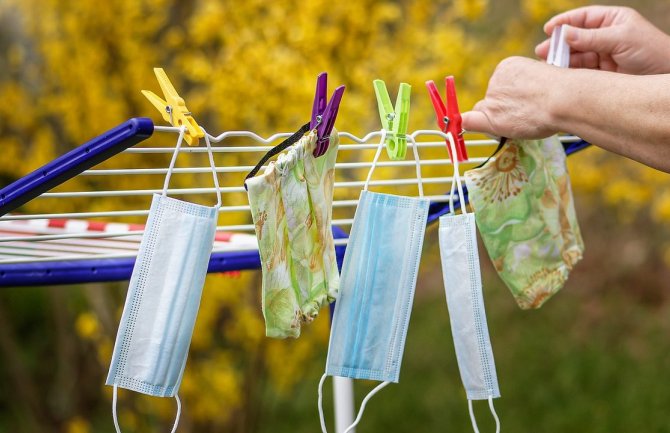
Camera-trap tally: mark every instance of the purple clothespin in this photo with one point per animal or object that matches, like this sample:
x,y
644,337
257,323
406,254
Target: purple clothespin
x,y
324,115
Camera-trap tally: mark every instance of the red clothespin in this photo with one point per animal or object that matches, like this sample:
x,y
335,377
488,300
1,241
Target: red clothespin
x,y
449,117
323,116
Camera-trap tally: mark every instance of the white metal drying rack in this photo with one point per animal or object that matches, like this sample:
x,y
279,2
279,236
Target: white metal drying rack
x,y
87,243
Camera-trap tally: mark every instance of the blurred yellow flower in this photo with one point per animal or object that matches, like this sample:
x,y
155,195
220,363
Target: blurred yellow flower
x,y
87,326
78,425
661,207
471,9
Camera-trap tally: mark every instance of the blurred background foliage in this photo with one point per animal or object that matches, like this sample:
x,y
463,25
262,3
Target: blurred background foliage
x,y
595,358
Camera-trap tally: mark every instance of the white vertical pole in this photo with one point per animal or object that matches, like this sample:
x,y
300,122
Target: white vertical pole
x,y
343,393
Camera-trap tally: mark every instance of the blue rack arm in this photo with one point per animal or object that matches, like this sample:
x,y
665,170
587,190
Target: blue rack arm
x,y
119,269
74,162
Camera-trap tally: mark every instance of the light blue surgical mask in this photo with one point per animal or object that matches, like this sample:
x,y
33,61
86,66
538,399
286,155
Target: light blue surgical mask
x,y
377,284
164,295
463,287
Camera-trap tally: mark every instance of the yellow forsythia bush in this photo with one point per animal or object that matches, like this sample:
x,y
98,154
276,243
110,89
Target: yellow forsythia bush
x,y
74,69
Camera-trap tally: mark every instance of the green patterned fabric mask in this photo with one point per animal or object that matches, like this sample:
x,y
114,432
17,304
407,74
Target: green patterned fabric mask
x,y
291,206
526,216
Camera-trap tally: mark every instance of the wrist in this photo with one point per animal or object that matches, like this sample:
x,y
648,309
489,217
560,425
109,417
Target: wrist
x,y
576,95
561,98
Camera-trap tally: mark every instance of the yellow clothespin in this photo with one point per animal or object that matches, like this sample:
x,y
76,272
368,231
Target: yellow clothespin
x,y
173,108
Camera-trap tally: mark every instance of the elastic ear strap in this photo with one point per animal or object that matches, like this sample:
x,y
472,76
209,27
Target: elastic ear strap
x,y
176,420
456,178
374,160
116,420
182,130
277,149
210,154
364,403
320,403
451,197
495,415
493,412
502,142
418,164
472,417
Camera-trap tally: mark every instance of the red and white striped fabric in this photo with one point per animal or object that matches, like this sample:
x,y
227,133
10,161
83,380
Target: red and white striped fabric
x,y
71,239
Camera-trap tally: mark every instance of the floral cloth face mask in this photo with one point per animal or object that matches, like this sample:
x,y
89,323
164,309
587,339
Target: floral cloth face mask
x,y
291,207
526,217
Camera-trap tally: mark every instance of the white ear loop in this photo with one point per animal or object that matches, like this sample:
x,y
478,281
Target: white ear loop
x,y
116,420
418,164
379,151
374,160
364,403
320,403
182,130
210,154
495,415
360,411
493,412
176,420
456,180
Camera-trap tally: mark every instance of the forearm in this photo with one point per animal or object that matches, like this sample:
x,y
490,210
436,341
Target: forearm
x,y
625,114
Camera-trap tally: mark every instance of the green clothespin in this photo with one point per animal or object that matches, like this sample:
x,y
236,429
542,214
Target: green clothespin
x,y
395,122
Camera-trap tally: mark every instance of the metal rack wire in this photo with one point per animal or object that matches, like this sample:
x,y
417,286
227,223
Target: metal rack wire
x,y
62,245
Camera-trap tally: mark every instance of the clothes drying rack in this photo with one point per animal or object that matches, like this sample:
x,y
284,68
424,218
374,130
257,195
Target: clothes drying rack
x,y
65,246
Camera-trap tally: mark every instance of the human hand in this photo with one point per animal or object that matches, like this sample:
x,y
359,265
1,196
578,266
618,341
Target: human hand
x,y
519,100
616,39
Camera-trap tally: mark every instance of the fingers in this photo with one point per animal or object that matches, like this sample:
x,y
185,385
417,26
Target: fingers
x,y
597,40
575,17
607,63
477,121
589,60
542,49
589,17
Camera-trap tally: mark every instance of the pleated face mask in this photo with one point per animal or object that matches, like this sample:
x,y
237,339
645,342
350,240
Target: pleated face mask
x,y
526,217
465,301
164,295
377,284
291,206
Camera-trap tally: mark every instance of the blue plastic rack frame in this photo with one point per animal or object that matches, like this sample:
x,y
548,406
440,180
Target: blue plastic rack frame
x,y
74,162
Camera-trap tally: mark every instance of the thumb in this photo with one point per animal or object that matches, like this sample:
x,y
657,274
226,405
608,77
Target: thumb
x,y
477,121
603,40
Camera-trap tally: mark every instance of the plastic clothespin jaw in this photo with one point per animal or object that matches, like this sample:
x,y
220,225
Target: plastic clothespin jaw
x,y
449,117
320,100
559,50
394,121
324,113
173,108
